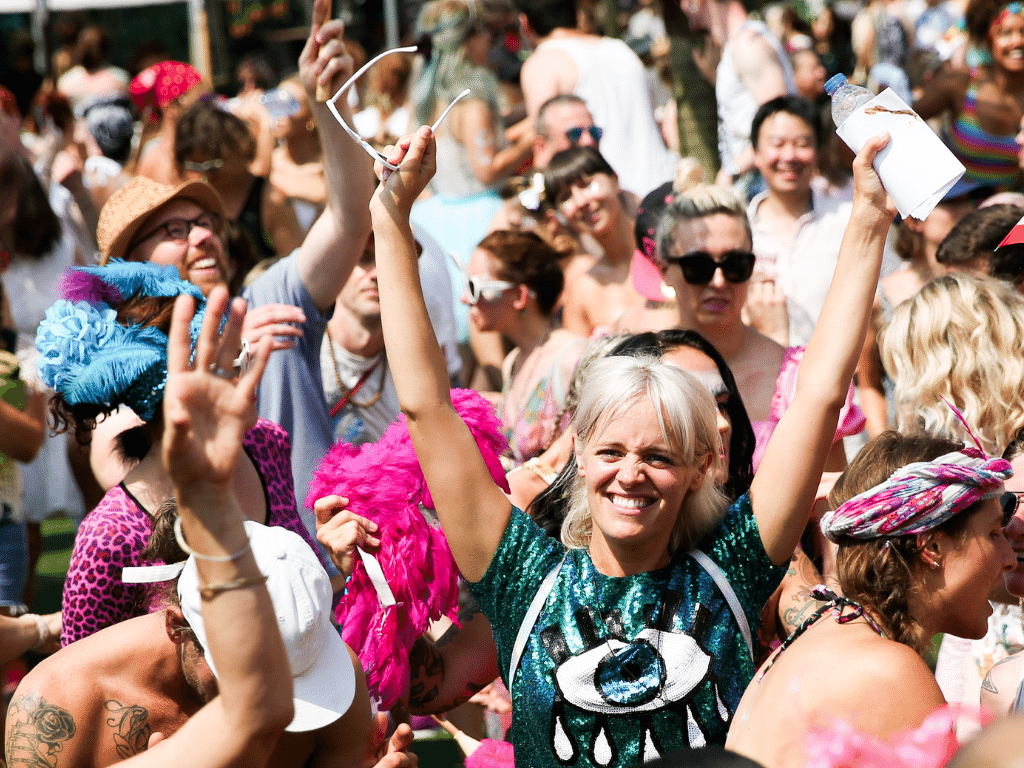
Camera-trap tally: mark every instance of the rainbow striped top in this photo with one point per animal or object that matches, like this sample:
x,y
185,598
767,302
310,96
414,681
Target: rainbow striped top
x,y
989,158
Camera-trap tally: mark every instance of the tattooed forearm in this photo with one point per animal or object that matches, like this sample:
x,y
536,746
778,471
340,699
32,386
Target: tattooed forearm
x,y
426,667
131,727
36,732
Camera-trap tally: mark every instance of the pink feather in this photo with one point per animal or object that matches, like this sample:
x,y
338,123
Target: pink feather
x,y
384,483
491,754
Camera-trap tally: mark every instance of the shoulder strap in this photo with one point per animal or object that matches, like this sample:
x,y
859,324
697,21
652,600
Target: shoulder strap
x,y
716,573
530,619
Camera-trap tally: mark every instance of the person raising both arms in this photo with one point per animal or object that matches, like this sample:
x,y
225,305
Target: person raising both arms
x,y
625,592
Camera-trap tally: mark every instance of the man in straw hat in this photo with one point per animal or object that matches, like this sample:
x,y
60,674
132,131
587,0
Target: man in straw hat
x,y
181,225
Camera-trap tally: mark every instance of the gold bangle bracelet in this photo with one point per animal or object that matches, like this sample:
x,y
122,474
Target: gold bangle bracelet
x,y
211,591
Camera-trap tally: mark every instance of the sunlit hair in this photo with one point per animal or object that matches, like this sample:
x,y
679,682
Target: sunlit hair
x,y
960,338
699,202
686,416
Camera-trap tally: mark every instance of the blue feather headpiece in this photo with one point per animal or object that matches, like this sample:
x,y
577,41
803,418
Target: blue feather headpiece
x,y
88,357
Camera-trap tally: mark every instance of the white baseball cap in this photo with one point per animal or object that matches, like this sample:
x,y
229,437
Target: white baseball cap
x,y
322,670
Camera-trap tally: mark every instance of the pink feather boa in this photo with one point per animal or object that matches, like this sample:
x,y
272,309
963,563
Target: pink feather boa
x,y
383,482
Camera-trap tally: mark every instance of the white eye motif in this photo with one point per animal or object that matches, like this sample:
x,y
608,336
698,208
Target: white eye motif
x,y
653,670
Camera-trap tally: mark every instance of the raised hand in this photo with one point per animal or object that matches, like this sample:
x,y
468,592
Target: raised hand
x,y
324,64
416,158
276,321
868,189
207,407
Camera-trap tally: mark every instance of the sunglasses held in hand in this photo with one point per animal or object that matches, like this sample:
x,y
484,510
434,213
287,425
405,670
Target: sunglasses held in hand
x,y
699,267
423,48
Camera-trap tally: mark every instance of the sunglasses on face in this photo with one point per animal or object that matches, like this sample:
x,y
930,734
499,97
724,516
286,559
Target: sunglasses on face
x,y
179,229
699,267
1009,501
424,49
575,134
488,290
280,103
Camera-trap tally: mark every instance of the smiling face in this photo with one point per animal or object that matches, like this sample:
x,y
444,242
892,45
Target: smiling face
x,y
705,370
1015,529
636,484
971,568
719,303
592,203
786,154
200,258
1007,40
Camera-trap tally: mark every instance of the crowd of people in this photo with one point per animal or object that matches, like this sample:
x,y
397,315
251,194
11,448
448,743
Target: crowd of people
x,y
482,385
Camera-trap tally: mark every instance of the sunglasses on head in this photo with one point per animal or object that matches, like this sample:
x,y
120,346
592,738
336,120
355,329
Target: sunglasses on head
x,y
1009,501
699,267
575,134
424,49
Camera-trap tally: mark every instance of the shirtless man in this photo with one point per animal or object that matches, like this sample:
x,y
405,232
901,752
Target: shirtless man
x,y
117,692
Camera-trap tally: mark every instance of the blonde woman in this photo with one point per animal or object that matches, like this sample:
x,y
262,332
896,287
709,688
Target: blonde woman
x,y
959,339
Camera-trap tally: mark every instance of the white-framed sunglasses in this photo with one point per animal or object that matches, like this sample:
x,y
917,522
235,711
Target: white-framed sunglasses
x,y
477,289
422,48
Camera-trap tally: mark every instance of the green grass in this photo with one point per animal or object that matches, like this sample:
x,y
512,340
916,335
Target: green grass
x,y
58,539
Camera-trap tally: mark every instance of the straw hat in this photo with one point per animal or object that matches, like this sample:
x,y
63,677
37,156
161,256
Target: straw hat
x,y
129,207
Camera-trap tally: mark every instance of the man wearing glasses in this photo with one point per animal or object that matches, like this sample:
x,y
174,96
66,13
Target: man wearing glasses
x,y
563,121
609,77
293,299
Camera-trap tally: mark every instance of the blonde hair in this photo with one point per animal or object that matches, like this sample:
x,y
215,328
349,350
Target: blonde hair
x,y
698,202
686,414
960,338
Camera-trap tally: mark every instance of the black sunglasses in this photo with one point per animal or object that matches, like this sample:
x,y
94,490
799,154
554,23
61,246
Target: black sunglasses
x,y
699,267
1009,501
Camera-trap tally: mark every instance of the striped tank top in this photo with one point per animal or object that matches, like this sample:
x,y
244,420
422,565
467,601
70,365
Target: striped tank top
x,y
988,158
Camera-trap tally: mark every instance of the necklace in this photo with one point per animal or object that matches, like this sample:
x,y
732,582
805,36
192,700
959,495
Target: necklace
x,y
348,395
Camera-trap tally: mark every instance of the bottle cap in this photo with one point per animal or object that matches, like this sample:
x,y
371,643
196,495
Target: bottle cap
x,y
835,83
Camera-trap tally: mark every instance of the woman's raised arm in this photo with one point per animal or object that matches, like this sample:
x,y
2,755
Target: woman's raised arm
x,y
783,490
473,510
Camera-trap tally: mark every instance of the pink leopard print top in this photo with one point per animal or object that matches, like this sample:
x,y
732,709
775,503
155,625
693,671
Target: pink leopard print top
x,y
114,534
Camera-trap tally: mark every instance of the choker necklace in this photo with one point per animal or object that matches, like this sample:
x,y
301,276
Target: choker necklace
x,y
348,395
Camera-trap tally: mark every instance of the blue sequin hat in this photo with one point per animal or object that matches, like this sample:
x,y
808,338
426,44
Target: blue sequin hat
x,y
90,358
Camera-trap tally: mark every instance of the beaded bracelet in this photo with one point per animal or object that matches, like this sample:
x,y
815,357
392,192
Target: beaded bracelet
x,y
210,592
209,558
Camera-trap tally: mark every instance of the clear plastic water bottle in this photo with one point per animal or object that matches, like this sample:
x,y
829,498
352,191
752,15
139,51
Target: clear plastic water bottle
x,y
846,98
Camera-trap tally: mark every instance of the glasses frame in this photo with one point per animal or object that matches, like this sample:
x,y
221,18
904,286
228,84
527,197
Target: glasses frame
x,y
704,255
595,133
215,221
1009,502
477,289
367,147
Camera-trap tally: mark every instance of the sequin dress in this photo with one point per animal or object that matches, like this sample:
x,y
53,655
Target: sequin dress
x,y
618,671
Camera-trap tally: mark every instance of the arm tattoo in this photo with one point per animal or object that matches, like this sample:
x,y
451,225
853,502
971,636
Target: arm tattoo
x,y
37,732
988,684
131,727
426,667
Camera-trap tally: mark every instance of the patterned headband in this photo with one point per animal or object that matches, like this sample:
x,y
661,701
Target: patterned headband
x,y
88,357
918,497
